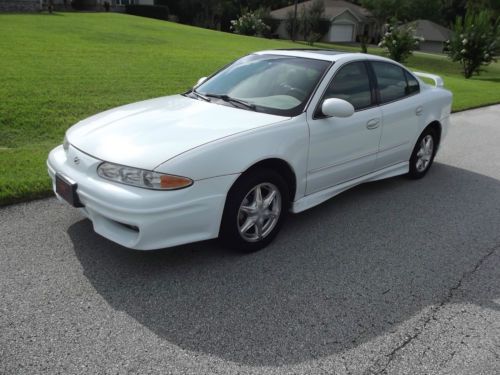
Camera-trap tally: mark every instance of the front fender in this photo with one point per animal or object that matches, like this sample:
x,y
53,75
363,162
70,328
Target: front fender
x,y
287,140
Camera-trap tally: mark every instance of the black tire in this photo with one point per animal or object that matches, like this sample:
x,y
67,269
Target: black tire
x,y
415,172
229,231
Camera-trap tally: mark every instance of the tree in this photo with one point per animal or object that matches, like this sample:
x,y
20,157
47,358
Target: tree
x,y
450,10
478,5
290,25
474,41
423,10
383,10
399,41
303,23
316,17
255,4
440,11
312,21
215,13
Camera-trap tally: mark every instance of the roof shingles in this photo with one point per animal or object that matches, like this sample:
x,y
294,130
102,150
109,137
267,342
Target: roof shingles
x,y
333,8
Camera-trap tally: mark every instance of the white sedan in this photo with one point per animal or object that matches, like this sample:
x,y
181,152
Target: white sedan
x,y
275,131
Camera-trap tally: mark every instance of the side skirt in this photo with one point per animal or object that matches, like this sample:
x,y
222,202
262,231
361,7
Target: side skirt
x,y
314,199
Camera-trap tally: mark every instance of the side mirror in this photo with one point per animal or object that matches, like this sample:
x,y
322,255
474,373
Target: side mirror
x,y
201,80
335,107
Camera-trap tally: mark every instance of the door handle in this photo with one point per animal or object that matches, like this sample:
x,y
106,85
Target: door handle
x,y
372,124
419,110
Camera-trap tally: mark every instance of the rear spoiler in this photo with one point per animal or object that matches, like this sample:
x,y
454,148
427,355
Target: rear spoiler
x,y
438,81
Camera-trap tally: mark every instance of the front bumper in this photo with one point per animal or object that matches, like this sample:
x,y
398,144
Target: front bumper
x,y
140,218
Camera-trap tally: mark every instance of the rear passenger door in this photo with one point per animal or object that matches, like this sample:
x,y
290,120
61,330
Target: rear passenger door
x,y
401,106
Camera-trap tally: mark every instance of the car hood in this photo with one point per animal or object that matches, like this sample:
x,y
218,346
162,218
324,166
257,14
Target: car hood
x,y
148,133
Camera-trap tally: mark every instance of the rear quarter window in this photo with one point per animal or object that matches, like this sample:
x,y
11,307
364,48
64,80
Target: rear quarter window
x,y
413,85
394,82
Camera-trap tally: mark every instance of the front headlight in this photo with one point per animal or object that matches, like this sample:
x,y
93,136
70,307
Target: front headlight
x,y
142,178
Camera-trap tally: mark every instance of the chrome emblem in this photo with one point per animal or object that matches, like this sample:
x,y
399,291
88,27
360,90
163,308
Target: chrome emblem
x,y
76,160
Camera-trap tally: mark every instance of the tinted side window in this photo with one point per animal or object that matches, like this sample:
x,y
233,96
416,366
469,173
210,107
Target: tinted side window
x,y
391,81
413,86
352,84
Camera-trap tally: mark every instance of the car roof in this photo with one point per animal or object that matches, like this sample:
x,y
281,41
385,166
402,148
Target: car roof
x,y
321,54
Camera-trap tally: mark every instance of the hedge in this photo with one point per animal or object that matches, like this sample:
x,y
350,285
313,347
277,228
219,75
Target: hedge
x,y
151,11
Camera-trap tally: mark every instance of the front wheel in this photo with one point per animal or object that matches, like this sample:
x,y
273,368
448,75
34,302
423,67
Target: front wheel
x,y
255,209
423,154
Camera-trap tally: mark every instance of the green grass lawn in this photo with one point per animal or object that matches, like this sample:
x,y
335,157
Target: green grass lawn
x,y
58,69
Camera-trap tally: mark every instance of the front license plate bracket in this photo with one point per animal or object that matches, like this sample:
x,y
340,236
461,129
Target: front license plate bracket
x,y
67,190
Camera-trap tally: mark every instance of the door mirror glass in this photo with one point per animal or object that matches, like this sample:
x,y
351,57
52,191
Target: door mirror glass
x,y
335,107
201,80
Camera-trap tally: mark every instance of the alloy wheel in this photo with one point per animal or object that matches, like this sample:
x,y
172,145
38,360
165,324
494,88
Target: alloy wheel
x,y
259,212
425,152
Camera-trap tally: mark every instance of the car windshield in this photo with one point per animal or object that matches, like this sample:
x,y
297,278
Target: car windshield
x,y
279,85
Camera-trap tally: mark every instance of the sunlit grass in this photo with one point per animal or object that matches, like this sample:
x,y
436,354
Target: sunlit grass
x,y
58,69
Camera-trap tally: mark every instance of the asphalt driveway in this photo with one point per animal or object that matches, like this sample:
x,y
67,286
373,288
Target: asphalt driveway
x,y
396,276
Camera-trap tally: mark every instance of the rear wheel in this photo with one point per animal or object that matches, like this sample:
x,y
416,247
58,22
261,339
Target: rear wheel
x,y
255,209
423,154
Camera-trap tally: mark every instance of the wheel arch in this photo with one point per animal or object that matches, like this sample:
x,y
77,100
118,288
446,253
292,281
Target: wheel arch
x,y
437,127
280,166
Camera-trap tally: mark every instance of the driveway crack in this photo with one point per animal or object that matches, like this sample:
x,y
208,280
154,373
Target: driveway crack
x,y
380,366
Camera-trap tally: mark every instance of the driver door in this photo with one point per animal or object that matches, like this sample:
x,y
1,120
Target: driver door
x,y
342,149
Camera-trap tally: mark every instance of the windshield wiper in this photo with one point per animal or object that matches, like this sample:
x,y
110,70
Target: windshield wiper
x,y
198,95
230,99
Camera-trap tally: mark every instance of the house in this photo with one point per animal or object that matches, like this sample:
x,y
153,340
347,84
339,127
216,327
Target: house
x,y
62,5
20,5
434,35
348,20
129,2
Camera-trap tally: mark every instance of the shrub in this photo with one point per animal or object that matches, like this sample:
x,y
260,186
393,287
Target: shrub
x,y
173,5
474,41
250,23
399,41
83,4
151,11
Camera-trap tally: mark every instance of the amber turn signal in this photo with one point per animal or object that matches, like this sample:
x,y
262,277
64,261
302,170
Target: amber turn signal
x,y
174,182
